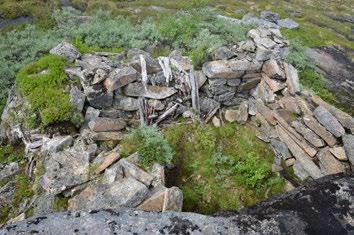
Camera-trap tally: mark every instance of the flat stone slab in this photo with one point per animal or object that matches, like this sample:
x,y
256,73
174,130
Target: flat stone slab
x,y
329,121
120,77
152,92
126,192
308,134
64,170
328,163
107,124
348,143
316,127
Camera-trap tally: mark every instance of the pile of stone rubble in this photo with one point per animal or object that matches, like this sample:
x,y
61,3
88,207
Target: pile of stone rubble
x,y
249,83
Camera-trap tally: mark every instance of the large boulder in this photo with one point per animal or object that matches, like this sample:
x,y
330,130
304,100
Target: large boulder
x,y
126,192
64,170
320,207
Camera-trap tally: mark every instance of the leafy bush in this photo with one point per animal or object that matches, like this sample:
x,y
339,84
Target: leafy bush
x,y
151,145
42,83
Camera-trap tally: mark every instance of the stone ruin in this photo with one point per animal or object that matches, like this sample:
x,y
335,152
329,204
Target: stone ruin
x,y
249,83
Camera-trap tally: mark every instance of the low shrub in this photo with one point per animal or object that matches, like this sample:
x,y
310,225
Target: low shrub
x,y
151,145
42,83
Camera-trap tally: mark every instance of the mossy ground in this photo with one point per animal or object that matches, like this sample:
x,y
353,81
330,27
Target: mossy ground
x,y
217,168
42,83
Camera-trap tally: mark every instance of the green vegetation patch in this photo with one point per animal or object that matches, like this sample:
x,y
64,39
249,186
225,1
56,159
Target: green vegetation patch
x,y
9,153
42,83
309,77
151,145
221,168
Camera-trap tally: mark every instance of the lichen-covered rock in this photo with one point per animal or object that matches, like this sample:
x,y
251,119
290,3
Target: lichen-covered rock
x,y
329,121
67,50
321,207
64,170
120,77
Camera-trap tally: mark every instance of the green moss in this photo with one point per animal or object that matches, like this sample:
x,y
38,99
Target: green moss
x,y
4,213
42,83
221,168
151,145
84,48
60,204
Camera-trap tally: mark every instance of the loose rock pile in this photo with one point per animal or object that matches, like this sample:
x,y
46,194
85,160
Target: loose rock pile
x,y
249,83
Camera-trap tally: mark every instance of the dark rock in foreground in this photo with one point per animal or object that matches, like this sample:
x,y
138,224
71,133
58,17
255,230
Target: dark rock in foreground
x,y
321,207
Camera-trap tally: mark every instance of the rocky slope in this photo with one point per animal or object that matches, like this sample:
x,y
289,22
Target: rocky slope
x,y
322,207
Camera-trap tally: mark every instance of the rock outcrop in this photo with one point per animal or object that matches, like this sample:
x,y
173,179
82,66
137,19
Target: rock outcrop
x,y
321,207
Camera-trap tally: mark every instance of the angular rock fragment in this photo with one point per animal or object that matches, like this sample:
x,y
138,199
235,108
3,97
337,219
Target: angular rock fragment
x,y
9,170
304,106
126,192
328,163
77,98
173,200
339,153
263,92
288,23
308,134
273,70
152,92
281,148
345,119
299,154
230,115
316,127
348,143
292,79
108,160
329,121
67,50
107,124
299,171
155,202
56,144
125,103
152,66
120,77
249,84
274,85
242,113
131,170
265,111
65,170
222,53
289,103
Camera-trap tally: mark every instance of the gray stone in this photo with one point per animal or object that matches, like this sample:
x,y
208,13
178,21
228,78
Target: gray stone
x,y
7,193
9,170
270,16
77,98
299,171
173,200
280,148
339,153
251,19
158,172
152,66
316,127
56,144
200,77
230,115
155,202
91,63
44,205
131,170
67,50
156,104
242,113
273,84
252,109
328,163
288,23
308,134
222,53
120,77
292,79
100,76
284,213
289,103
125,103
345,119
107,124
225,97
152,92
248,84
329,121
91,113
65,170
181,63
263,92
233,82
273,69
126,192
101,100
207,105
348,143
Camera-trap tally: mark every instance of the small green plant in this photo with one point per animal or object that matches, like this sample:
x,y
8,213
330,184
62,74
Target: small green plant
x,y
23,189
9,153
42,83
151,145
60,203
